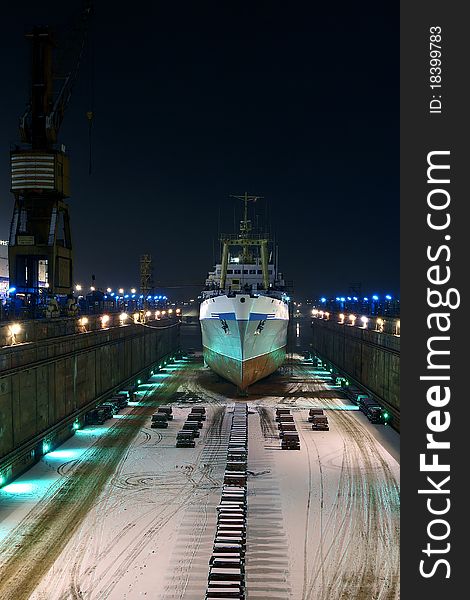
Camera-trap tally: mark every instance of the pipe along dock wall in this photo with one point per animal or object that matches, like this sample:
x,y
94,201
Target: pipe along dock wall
x,y
369,357
57,371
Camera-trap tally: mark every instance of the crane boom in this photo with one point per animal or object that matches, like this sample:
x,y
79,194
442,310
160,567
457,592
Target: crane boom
x,y
40,123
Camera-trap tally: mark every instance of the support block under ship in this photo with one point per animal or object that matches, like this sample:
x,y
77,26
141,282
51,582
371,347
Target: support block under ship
x,y
244,312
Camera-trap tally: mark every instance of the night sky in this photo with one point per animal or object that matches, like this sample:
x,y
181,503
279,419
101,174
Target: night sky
x,y
301,107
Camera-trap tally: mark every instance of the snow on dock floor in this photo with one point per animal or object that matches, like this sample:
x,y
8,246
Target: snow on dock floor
x,y
322,522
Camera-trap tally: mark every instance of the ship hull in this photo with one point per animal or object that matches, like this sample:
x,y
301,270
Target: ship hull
x,y
243,373
244,338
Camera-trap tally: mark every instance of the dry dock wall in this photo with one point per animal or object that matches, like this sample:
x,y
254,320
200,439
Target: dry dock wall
x,y
58,370
367,356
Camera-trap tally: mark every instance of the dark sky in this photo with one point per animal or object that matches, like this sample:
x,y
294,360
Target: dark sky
x,y
200,101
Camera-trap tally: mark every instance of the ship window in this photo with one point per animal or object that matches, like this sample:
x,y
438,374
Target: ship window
x,y
260,272
245,271
237,272
235,281
252,271
229,271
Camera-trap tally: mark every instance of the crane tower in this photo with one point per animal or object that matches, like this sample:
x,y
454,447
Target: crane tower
x,y
40,245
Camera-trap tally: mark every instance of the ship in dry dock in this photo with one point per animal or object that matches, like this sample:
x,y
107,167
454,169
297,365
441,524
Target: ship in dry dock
x,y
244,313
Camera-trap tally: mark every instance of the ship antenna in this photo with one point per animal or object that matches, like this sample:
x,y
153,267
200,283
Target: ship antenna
x,y
245,224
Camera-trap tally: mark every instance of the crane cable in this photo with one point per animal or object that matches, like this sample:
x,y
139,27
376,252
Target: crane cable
x,y
90,114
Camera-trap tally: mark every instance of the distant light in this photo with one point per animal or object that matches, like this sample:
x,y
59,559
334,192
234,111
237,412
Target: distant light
x,y
157,313
11,290
104,320
112,293
148,313
365,320
135,316
349,298
375,297
388,297
341,316
92,288
121,290
178,310
78,287
327,315
366,299
133,295
354,298
352,318
165,298
170,310
343,298
133,290
109,290
337,299
322,299
123,317
46,285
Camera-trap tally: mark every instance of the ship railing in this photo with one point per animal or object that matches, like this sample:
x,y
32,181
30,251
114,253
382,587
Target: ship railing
x,y
240,236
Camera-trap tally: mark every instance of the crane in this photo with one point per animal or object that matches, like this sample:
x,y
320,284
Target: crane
x,y
40,245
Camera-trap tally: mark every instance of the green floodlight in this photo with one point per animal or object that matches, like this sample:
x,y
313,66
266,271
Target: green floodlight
x,y
45,447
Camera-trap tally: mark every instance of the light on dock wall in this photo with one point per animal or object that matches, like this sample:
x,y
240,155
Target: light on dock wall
x,y
15,329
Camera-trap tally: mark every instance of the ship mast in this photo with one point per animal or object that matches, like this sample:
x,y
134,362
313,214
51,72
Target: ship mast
x,y
245,239
245,225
